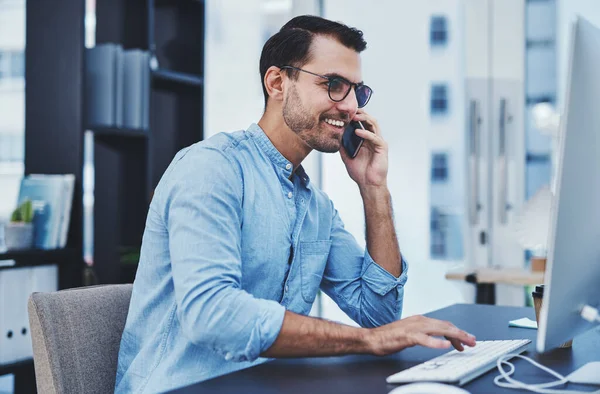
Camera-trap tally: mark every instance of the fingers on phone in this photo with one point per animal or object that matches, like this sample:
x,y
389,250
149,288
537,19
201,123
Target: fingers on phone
x,y
366,121
366,134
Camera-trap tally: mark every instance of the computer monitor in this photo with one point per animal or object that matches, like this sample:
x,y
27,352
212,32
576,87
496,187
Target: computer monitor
x,y
572,277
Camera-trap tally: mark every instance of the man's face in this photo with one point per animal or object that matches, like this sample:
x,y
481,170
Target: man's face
x,y
307,109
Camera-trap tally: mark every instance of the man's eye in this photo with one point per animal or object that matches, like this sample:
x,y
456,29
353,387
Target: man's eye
x,y
336,86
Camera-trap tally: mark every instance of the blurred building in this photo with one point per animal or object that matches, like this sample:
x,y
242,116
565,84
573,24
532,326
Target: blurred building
x,y
448,114
446,126
540,86
12,101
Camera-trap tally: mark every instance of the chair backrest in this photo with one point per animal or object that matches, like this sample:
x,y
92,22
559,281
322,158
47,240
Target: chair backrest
x,y
76,335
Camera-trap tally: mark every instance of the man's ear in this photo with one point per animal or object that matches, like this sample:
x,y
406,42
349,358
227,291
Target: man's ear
x,y
274,83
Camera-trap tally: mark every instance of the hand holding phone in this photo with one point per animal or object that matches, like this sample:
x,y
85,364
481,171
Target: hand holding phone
x,y
370,167
350,141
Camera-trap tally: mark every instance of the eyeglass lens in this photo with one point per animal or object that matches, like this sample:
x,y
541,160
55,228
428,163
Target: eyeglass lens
x,y
338,89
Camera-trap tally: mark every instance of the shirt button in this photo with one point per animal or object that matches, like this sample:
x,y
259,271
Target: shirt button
x,y
228,356
288,166
287,288
290,195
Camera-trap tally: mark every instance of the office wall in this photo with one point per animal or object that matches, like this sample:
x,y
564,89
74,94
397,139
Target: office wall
x,y
446,136
399,66
233,89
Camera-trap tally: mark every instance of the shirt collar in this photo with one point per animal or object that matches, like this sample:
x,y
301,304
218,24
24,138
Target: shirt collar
x,y
265,144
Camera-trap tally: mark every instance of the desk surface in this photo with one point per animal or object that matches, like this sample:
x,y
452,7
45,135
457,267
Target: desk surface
x,y
366,374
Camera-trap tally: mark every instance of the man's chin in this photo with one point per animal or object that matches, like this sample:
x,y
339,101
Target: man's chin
x,y
326,145
327,148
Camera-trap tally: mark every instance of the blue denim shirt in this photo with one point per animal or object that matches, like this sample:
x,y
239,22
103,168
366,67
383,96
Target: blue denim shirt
x,y
232,240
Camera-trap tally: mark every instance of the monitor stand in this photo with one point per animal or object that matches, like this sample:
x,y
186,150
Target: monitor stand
x,y
587,374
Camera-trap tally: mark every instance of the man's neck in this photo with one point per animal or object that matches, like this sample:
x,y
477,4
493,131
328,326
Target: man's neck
x,y
285,140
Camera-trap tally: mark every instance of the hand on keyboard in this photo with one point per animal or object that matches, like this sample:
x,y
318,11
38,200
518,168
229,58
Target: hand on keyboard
x,y
461,368
417,330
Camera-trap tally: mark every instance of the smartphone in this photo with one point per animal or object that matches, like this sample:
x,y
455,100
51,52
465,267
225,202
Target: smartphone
x,y
350,140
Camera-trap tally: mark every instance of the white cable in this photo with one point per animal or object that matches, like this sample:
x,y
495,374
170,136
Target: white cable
x,y
590,314
537,388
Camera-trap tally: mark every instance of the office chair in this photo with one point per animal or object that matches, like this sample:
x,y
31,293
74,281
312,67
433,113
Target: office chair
x,y
76,334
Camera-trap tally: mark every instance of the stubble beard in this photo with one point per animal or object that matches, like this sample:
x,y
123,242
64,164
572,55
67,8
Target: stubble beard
x,y
300,121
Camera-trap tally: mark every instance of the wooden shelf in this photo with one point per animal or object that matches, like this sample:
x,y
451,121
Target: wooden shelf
x,y
118,132
178,77
128,164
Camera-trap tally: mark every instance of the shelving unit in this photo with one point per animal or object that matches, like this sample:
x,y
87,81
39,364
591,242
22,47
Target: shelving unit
x,y
23,372
110,132
129,163
53,137
34,257
69,264
183,78
68,260
15,368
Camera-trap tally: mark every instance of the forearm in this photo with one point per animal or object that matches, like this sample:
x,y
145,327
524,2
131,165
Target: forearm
x,y
302,336
382,242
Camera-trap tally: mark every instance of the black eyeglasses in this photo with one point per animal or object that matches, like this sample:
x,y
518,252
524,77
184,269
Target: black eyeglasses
x,y
338,88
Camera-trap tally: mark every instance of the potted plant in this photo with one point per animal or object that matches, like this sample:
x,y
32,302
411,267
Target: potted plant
x,y
18,233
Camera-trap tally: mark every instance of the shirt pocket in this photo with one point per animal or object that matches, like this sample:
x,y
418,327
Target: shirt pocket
x,y
313,258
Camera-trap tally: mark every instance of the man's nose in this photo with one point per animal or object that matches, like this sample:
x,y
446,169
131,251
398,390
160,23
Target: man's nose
x,y
349,104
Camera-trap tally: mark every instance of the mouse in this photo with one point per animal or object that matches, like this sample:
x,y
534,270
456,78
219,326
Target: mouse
x,y
428,388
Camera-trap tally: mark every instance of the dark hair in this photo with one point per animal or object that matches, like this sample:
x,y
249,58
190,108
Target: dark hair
x,y
290,46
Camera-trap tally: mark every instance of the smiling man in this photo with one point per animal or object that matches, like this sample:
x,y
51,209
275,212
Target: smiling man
x,y
238,241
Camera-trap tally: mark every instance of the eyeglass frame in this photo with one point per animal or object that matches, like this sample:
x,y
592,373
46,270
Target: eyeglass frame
x,y
330,79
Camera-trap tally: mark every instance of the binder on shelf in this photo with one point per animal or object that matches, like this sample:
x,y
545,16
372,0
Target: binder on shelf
x,y
52,197
100,81
133,88
16,285
69,181
146,91
46,196
117,87
118,99
21,340
12,314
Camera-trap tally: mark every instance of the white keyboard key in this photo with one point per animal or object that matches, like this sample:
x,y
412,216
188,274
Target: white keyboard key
x,y
460,367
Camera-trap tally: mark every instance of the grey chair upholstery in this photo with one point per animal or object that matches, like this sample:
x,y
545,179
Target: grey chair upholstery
x,y
76,335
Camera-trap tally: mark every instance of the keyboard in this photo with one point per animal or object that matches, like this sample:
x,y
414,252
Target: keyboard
x,y
460,367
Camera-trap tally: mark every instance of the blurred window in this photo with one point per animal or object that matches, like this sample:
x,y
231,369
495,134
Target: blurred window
x,y
438,35
439,167
439,99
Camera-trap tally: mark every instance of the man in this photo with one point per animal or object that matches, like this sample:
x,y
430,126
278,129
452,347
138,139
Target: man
x,y
238,241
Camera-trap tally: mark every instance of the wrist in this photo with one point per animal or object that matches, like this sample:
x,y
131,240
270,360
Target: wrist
x,y
366,341
373,193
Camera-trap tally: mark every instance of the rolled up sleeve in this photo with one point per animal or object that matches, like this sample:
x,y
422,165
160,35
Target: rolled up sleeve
x,y
383,293
203,217
369,294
